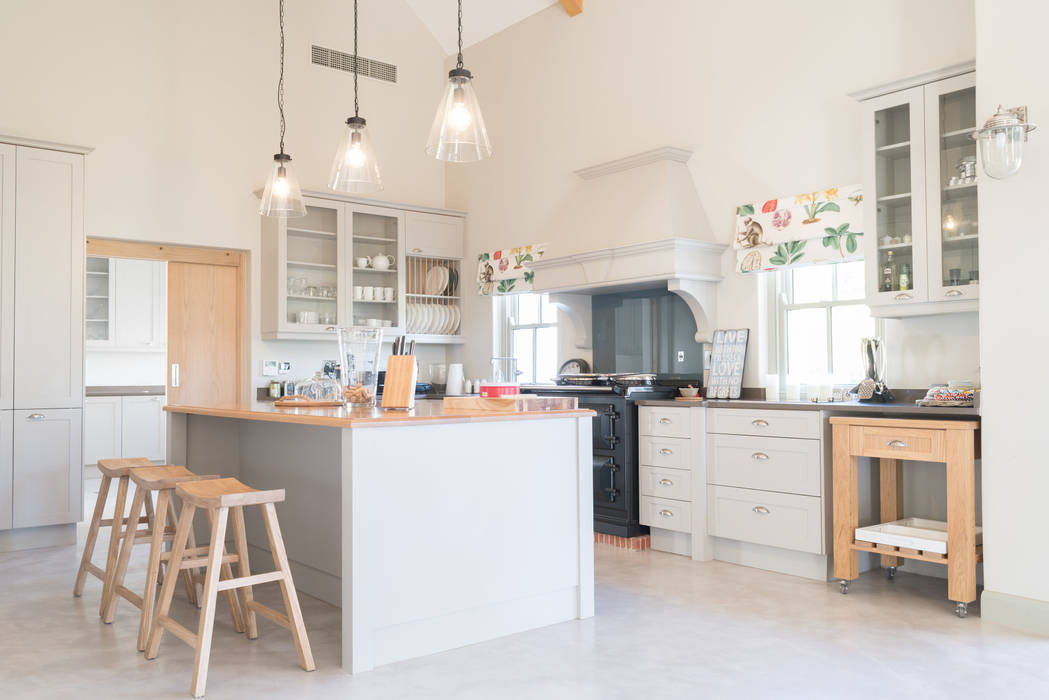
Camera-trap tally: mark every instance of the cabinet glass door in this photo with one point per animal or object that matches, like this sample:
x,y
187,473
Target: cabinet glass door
x,y
313,282
98,305
954,268
377,253
895,209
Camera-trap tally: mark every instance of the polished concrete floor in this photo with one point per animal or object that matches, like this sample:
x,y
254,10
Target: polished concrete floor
x,y
665,627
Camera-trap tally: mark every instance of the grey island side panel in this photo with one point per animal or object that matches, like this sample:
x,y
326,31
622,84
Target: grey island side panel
x,y
129,390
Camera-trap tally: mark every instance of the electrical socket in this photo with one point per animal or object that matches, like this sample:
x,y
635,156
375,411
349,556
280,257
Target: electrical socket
x,y
680,355
284,367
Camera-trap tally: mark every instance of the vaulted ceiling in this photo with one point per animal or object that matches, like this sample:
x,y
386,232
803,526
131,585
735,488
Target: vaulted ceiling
x,y
481,18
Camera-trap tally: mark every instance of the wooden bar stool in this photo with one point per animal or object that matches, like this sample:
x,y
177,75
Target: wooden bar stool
x,y
118,469
219,496
161,480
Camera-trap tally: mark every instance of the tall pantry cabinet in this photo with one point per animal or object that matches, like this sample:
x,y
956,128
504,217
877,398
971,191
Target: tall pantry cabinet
x,y
41,338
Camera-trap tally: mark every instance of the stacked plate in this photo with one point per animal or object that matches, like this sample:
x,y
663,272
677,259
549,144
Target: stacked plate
x,y
436,280
433,319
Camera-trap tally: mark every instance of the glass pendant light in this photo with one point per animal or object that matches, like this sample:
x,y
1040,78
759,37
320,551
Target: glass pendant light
x,y
1002,141
282,196
355,168
458,134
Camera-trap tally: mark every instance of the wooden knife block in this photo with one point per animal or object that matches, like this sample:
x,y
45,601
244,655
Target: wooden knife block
x,y
399,389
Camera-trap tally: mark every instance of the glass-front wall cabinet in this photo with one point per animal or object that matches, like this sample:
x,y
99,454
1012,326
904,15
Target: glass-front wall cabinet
x,y
376,251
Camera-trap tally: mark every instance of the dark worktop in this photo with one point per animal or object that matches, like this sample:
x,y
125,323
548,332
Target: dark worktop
x,y
904,405
130,390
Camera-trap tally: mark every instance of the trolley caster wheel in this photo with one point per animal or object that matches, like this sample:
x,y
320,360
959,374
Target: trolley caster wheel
x,y
844,585
892,573
962,610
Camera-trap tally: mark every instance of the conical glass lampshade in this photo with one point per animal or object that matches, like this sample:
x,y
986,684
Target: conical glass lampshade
x,y
458,134
355,168
282,196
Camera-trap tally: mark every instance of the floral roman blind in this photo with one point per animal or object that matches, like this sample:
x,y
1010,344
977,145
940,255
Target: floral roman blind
x,y
507,271
807,229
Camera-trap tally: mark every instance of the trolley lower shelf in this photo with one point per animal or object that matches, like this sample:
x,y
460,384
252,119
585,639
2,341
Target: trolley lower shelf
x,y
908,553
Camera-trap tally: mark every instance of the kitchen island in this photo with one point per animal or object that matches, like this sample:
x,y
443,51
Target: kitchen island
x,y
432,529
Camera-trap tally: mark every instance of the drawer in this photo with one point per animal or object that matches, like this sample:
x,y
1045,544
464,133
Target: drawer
x,y
773,423
675,453
666,483
899,443
767,463
774,519
666,514
660,421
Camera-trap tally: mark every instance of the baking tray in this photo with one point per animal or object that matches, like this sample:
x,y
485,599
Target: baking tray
x,y
912,533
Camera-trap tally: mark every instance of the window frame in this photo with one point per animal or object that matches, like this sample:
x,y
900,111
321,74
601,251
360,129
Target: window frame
x,y
509,309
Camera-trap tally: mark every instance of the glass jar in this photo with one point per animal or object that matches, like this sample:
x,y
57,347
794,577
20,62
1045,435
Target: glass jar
x,y
359,351
320,388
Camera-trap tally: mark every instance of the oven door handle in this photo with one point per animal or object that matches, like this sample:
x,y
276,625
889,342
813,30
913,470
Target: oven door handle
x,y
612,491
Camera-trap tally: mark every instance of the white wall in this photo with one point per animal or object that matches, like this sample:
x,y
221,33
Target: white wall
x,y
178,100
1011,54
756,89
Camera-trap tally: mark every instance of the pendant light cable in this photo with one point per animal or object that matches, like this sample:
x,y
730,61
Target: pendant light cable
x,y
356,62
459,62
280,81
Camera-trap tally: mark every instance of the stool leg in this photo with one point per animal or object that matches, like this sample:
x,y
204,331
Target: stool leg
x,y
109,608
187,574
149,593
287,588
114,539
226,573
194,574
207,613
240,539
178,549
92,535
151,517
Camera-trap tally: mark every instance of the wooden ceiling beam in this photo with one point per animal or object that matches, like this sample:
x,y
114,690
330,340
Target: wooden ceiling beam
x,y
572,7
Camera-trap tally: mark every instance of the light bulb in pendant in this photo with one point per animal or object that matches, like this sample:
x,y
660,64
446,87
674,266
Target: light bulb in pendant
x,y
354,168
459,115
355,155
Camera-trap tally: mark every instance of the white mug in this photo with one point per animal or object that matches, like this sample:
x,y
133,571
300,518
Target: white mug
x,y
374,323
369,293
455,379
387,293
382,262
358,292
364,262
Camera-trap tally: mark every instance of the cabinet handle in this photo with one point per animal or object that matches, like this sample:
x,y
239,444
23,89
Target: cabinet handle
x,y
759,423
174,375
666,482
157,398
417,250
761,456
952,293
35,416
665,451
665,421
760,510
666,513
896,443
904,296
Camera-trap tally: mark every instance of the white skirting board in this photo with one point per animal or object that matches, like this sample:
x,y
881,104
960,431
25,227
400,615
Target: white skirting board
x,y
670,541
1016,611
35,537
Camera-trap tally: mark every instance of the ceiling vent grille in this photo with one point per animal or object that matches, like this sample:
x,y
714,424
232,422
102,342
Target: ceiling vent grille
x,y
339,60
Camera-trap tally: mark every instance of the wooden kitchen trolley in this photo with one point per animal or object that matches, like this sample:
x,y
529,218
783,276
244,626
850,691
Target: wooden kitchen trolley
x,y
892,440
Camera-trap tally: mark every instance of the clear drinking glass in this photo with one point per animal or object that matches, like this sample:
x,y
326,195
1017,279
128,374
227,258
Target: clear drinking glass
x,y
359,350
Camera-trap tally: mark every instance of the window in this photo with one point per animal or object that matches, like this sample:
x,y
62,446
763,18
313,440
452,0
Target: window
x,y
818,318
526,329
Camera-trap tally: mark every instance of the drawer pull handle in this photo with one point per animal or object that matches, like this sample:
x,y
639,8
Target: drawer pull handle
x,y
417,250
904,297
896,443
953,293
761,456
35,416
759,423
665,451
665,421
666,513
760,510
666,482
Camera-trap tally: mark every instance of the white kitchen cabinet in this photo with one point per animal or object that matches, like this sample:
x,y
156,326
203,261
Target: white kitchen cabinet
x,y
49,280
6,471
7,277
102,428
100,294
140,304
48,472
916,220
433,235
376,232
143,427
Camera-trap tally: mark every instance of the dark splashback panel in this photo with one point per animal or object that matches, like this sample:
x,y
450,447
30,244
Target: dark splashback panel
x,y
644,332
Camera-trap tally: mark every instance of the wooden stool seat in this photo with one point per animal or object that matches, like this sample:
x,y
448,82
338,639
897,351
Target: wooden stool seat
x,y
225,493
163,477
118,467
224,498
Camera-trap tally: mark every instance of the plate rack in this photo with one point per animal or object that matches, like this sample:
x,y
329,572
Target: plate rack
x,y
433,296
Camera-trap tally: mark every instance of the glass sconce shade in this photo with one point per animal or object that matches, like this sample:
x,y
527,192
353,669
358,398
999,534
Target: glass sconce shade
x,y
1002,141
282,196
355,168
458,134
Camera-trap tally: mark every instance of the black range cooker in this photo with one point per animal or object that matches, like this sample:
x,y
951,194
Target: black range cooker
x,y
615,450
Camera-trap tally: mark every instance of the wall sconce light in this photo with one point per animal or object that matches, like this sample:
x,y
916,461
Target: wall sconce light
x,y
1002,141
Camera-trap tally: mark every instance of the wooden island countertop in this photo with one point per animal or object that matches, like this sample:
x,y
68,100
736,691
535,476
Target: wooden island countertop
x,y
342,417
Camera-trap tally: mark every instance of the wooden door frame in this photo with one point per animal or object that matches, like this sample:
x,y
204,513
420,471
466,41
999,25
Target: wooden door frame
x,y
115,248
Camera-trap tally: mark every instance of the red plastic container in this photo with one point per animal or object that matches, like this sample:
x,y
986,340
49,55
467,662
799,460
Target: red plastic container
x,y
493,390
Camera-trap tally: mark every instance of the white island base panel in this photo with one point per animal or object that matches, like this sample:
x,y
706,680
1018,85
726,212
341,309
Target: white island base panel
x,y
431,536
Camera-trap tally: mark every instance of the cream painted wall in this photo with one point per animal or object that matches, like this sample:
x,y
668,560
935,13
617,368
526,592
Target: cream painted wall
x,y
756,89
1010,58
178,101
